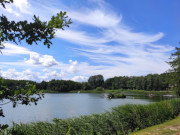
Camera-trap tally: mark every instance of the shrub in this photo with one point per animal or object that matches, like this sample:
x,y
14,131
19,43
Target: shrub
x,y
116,95
99,88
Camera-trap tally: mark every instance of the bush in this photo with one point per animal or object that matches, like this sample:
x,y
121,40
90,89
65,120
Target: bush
x,y
116,95
121,120
99,88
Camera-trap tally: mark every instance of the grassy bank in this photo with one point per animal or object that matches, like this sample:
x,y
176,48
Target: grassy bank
x,y
118,90
171,127
125,91
121,120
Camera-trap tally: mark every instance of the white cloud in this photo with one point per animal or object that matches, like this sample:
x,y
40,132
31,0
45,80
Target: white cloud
x,y
80,38
127,36
46,70
95,17
24,75
11,49
44,60
80,78
117,48
18,7
135,56
73,66
52,75
22,5
114,48
28,74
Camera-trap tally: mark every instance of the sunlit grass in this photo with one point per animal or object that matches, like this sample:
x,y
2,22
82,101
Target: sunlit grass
x,y
171,127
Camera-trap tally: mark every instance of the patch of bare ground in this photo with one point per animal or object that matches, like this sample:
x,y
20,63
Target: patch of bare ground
x,y
174,127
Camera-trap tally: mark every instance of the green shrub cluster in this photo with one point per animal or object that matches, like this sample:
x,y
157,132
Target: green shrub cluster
x,y
116,95
99,88
121,120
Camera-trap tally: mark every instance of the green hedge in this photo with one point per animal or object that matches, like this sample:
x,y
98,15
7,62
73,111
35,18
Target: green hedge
x,y
121,120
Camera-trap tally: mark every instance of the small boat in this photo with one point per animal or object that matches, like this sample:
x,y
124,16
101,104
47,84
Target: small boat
x,y
150,95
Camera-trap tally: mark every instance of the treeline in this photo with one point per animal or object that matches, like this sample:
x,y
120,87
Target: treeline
x,y
149,82
17,84
53,85
59,85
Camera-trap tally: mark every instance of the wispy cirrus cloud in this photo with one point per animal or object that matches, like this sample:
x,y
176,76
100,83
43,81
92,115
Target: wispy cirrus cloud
x,y
95,18
12,50
18,7
80,38
112,47
117,45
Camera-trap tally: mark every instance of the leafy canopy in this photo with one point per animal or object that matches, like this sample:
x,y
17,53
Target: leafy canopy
x,y
26,95
3,2
31,32
96,81
175,70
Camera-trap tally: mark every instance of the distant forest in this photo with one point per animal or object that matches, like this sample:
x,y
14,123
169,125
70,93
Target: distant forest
x,y
149,82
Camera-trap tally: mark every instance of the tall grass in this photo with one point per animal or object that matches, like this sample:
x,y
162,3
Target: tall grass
x,y
120,121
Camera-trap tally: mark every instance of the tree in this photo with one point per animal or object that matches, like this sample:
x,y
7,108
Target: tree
x,y
31,32
85,86
24,95
175,71
96,81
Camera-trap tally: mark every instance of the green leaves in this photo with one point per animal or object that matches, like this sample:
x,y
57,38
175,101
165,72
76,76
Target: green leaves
x,y
175,71
34,31
26,95
3,2
3,126
59,21
96,81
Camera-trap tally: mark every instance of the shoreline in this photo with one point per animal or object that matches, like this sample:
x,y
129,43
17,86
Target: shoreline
x,y
163,92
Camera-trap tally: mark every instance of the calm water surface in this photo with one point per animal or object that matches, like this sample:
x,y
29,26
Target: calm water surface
x,y
67,106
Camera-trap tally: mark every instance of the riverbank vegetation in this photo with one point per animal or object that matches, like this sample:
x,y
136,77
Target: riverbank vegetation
x,y
174,72
151,82
121,120
124,91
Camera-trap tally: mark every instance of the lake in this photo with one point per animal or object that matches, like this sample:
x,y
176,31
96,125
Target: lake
x,y
68,105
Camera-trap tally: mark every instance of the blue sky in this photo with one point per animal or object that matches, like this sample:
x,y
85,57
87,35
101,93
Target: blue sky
x,y
108,37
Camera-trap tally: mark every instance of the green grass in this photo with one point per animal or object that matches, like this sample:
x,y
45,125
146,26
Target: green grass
x,y
121,120
125,91
171,127
117,91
